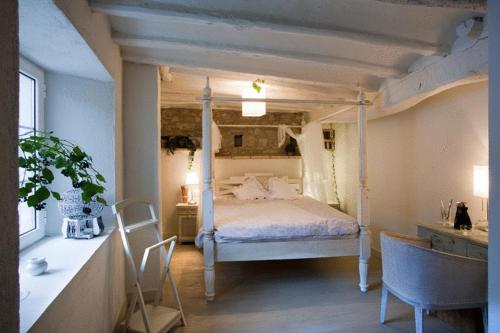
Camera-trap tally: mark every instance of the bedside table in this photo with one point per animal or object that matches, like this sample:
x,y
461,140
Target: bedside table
x,y
448,239
187,216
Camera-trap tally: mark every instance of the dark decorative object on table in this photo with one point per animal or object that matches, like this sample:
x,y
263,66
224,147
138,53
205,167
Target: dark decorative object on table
x,y
462,217
291,147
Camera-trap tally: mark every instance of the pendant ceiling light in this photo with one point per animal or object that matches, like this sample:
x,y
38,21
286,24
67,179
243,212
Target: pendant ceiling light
x,y
253,109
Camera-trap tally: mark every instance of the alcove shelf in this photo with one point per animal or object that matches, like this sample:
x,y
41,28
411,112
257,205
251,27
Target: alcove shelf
x,y
247,157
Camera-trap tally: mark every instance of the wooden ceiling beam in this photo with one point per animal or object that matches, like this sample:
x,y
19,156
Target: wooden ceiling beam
x,y
372,69
176,17
476,5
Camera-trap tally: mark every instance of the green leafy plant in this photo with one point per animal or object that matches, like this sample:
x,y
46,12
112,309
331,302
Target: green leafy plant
x,y
257,85
171,143
40,154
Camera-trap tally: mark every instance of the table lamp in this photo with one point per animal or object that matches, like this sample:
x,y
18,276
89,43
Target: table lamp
x,y
481,188
191,179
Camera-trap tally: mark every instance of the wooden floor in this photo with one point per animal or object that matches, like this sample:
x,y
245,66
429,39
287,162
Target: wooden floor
x,y
314,295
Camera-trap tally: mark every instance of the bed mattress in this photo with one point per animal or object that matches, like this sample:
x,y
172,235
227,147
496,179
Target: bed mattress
x,y
267,220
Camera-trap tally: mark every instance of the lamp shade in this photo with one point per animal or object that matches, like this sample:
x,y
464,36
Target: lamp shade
x,y
253,109
481,181
191,178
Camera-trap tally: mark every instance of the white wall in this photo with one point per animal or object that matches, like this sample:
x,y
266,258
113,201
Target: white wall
x,y
95,299
420,156
142,176
346,166
174,168
82,111
96,121
225,168
494,154
94,28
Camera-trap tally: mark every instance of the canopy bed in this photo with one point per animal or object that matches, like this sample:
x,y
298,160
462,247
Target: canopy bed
x,y
237,231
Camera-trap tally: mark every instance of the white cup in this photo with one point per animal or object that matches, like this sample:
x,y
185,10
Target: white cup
x,y
36,266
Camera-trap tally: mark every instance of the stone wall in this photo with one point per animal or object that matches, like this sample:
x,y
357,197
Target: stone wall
x,y
257,141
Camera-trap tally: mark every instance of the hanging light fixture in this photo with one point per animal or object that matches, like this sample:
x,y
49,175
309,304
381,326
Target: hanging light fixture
x,y
253,109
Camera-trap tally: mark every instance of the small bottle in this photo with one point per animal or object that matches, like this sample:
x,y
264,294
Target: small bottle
x,y
462,217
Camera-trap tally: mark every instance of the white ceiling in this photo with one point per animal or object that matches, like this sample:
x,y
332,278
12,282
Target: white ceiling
x,y
315,49
49,39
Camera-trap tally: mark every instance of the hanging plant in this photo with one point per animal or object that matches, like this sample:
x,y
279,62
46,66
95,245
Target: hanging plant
x,y
39,154
171,143
257,85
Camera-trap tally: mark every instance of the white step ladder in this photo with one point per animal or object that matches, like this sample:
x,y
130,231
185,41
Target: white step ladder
x,y
150,318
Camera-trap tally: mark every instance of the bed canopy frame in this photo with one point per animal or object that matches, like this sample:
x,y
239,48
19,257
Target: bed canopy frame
x,y
274,250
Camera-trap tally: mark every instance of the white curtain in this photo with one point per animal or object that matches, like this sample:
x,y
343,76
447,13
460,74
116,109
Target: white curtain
x,y
216,138
311,146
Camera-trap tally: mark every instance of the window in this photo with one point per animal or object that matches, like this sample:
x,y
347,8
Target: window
x,y
31,98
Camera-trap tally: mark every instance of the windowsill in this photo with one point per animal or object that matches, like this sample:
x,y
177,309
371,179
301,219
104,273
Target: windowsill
x,y
66,257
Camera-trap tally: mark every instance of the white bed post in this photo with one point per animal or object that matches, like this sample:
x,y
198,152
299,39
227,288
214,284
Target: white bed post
x,y
363,203
208,195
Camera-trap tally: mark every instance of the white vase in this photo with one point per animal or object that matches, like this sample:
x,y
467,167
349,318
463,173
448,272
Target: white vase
x,y
36,266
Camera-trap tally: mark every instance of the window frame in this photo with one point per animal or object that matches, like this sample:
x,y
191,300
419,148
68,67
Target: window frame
x,y
35,72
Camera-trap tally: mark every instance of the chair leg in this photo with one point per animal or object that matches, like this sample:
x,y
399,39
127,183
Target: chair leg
x,y
419,320
383,303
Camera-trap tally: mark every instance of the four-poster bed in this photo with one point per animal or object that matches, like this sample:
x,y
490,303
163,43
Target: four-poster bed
x,y
217,251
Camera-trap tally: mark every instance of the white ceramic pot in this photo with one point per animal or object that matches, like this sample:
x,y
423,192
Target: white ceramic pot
x,y
36,266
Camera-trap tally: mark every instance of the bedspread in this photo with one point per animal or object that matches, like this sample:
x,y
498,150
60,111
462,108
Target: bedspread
x,y
255,220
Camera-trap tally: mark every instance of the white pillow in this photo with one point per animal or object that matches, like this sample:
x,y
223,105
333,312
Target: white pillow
x,y
249,190
280,189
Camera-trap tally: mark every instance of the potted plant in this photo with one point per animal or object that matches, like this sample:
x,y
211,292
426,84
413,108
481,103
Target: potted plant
x,y
40,155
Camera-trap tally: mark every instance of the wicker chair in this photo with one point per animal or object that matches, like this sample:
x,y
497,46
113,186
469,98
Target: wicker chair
x,y
429,279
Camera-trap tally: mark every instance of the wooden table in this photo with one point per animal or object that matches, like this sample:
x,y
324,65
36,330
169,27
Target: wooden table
x,y
187,216
448,239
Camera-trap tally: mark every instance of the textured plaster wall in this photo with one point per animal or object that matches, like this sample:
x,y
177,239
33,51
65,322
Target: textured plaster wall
x,y
225,168
141,125
174,168
346,166
94,28
494,154
9,113
82,111
420,156
257,141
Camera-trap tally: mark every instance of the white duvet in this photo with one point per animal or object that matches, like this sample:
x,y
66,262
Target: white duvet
x,y
252,220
